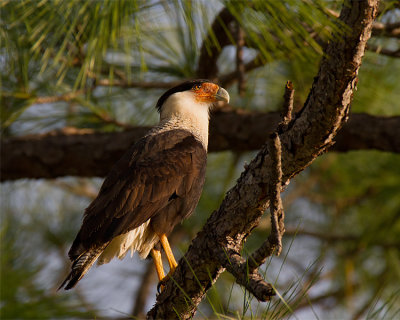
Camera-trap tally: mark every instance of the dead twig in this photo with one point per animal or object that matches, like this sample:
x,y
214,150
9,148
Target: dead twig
x,y
287,109
246,271
250,279
276,208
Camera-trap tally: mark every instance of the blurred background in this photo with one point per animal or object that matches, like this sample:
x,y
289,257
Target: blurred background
x,y
101,65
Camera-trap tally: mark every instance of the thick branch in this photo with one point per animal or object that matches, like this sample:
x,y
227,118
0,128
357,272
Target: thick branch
x,y
86,153
310,133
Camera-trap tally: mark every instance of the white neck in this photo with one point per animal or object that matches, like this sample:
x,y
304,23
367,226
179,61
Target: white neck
x,y
181,111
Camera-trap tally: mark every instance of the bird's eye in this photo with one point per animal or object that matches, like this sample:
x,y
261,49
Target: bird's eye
x,y
197,87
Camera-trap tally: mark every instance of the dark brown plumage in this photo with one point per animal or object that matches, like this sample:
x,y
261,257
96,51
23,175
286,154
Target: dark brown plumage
x,y
153,187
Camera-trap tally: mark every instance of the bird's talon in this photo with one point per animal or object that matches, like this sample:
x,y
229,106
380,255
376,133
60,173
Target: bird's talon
x,y
163,281
161,284
160,287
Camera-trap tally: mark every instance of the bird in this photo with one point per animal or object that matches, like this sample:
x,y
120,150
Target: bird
x,y
154,186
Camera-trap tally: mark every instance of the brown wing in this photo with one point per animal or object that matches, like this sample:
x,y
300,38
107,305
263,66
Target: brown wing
x,y
154,171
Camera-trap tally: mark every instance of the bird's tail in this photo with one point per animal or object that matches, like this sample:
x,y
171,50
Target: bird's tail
x,y
80,266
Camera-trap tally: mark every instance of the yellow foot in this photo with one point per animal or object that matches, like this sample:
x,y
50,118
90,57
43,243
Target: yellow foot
x,y
163,281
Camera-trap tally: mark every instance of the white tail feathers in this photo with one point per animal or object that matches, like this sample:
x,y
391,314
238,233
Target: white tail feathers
x,y
140,239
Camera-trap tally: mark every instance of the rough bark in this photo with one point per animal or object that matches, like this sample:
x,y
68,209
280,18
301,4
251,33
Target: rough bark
x,y
86,153
308,135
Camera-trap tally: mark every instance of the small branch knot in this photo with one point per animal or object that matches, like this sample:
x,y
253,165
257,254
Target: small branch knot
x,y
287,108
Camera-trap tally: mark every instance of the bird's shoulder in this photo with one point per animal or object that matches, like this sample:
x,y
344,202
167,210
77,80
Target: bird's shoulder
x,y
155,151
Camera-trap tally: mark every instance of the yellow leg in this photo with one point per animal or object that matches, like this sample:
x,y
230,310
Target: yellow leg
x,y
170,256
156,254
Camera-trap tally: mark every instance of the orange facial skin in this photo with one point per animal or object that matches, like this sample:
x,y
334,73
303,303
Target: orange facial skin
x,y
206,92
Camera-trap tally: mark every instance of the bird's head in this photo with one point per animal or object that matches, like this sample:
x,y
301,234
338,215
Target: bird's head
x,y
191,96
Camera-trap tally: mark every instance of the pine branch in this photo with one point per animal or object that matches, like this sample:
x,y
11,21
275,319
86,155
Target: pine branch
x,y
105,83
137,84
63,97
384,51
78,152
309,135
275,186
391,30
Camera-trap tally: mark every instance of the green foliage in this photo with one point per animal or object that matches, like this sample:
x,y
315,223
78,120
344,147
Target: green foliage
x,y
357,195
22,295
53,48
279,30
55,32
379,88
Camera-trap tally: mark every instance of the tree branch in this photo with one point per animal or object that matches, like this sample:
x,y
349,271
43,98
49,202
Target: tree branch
x,y
391,30
384,51
137,84
64,97
216,39
83,152
378,28
275,186
309,134
287,109
246,272
274,241
246,277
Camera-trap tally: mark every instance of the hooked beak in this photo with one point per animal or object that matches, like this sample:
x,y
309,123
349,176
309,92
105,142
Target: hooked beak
x,y
222,95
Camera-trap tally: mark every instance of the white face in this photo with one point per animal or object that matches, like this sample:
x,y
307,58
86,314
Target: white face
x,y
190,109
199,98
184,104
